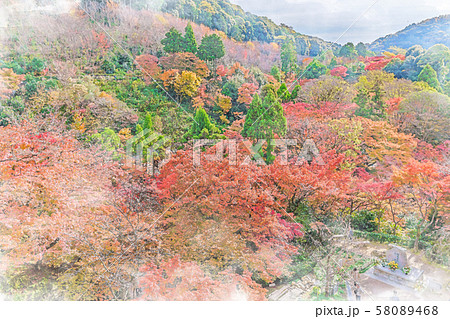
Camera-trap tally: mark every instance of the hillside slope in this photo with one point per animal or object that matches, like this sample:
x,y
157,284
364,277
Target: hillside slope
x,y
243,26
426,33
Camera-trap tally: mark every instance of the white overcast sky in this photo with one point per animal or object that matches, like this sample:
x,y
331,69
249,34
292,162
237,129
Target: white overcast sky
x,y
328,19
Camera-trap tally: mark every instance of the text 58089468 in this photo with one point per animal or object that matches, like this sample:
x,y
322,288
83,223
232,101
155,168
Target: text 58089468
x,y
407,310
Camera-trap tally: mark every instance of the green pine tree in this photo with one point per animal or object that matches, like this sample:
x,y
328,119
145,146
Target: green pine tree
x,y
288,57
283,93
276,73
255,112
274,121
148,123
295,92
190,44
202,128
264,120
211,48
147,127
361,49
139,129
314,70
348,50
429,75
173,42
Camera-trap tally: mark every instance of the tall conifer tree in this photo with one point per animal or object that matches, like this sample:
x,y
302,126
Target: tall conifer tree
x,y
190,44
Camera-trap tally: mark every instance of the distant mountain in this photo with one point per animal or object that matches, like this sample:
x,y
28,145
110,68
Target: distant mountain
x,y
426,33
243,26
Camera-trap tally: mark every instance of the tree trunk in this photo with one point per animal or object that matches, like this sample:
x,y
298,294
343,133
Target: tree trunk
x,y
327,278
418,234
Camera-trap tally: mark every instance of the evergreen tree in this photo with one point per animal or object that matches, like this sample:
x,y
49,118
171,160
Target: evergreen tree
x,y
348,50
288,57
273,122
211,48
429,75
147,128
268,89
264,120
314,70
295,92
202,128
190,44
361,49
273,119
333,63
148,123
283,93
173,42
139,128
395,67
438,57
254,113
276,73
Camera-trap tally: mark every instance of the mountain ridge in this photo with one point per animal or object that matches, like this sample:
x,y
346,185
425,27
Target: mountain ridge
x,y
431,31
222,15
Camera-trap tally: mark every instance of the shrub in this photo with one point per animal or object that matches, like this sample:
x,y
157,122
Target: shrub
x,y
108,67
365,221
386,238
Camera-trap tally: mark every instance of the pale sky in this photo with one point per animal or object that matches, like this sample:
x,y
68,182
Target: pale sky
x,y
328,19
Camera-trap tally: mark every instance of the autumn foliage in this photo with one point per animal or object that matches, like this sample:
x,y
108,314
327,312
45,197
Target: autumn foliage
x,y
158,169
